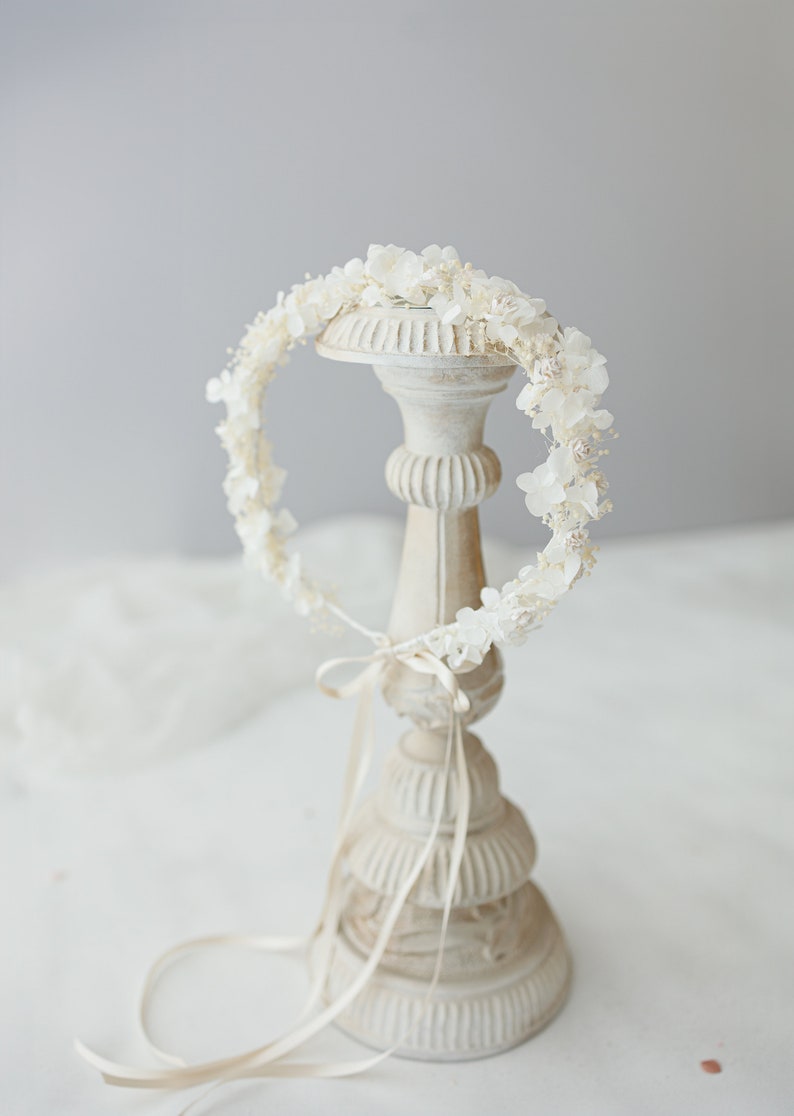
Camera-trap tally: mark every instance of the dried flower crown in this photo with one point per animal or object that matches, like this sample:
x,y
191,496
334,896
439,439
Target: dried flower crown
x,y
566,378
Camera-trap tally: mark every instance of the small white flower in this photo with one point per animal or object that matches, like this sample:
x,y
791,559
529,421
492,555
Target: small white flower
x,y
264,349
284,523
216,386
562,546
548,584
438,258
585,496
254,529
240,489
397,271
352,272
373,295
586,365
231,389
543,490
602,420
327,299
511,317
545,347
600,481
503,618
446,644
342,285
545,485
568,409
549,368
452,309
530,397
581,450
472,634
302,317
576,406
490,597
576,541
548,405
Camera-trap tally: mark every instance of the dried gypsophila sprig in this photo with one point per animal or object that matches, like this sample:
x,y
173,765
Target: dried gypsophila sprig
x,y
566,379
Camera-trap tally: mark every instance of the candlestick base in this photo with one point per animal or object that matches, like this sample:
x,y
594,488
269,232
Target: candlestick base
x,y
470,1015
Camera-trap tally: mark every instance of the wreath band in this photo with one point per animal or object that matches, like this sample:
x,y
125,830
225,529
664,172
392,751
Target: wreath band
x,y
566,378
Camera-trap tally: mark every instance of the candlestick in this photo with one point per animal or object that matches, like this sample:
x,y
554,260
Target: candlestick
x,y
506,967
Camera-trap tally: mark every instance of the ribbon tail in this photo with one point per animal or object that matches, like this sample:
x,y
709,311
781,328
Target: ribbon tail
x,y
343,1069
319,942
463,809
362,746
269,1060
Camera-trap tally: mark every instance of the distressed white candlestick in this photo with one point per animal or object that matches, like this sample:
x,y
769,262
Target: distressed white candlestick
x,y
432,845
506,968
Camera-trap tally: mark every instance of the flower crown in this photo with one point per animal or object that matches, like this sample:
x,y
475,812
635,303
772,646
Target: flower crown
x,y
566,378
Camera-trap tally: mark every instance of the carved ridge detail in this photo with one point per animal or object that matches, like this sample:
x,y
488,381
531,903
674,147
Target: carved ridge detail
x,y
446,481
376,330
409,791
463,1019
496,860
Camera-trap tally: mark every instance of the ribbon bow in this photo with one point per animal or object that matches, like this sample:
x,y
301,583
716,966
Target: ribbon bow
x,y
421,660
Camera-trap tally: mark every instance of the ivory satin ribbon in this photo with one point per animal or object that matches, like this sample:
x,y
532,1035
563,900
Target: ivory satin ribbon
x,y
269,1060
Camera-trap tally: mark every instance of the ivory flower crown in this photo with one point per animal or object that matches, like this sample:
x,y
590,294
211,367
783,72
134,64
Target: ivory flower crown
x,y
566,379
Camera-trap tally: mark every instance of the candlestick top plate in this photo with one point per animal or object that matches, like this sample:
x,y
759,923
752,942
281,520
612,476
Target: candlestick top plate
x,y
406,335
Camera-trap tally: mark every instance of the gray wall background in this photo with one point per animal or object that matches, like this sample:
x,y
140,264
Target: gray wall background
x,y
168,166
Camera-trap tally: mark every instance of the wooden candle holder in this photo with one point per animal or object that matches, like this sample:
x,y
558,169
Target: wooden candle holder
x,y
506,967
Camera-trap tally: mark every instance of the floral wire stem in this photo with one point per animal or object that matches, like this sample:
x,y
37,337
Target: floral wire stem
x,y
566,379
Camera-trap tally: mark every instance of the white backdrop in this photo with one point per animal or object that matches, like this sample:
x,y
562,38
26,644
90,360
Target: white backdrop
x,y
168,166
165,167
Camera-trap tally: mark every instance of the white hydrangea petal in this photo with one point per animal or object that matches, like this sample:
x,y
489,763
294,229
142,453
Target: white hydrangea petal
x,y
573,563
561,463
598,379
603,419
490,597
214,390
525,399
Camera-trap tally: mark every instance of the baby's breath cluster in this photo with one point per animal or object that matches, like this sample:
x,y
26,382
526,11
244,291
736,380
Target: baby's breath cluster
x,y
566,378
